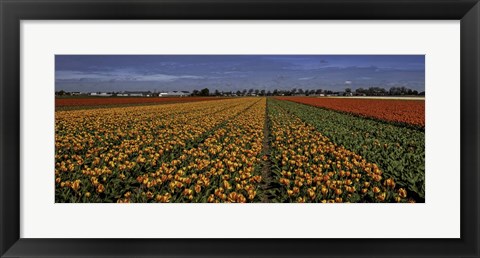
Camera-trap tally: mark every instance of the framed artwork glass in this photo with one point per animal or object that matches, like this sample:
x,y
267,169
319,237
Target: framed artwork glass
x,y
234,128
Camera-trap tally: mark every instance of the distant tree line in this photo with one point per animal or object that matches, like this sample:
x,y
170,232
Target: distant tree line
x,y
371,91
203,92
393,91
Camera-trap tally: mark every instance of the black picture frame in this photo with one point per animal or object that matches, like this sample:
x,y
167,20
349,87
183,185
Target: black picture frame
x,y
13,11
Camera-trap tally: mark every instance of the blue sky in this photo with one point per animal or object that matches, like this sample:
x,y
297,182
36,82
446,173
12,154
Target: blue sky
x,y
91,73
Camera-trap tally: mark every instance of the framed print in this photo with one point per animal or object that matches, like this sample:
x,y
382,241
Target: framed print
x,y
237,128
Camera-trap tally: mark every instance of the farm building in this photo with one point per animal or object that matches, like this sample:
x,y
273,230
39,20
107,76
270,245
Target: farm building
x,y
174,94
135,94
100,94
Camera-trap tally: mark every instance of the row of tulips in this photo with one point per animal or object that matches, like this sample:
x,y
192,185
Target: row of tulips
x,y
100,153
223,168
398,150
402,112
308,167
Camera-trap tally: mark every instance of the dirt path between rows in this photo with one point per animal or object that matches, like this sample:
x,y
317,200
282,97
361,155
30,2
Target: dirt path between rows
x,y
266,163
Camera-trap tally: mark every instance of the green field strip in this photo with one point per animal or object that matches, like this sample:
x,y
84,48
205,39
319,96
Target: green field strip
x,y
388,122
399,151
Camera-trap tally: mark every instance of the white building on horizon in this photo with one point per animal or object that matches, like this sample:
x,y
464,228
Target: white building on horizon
x,y
174,94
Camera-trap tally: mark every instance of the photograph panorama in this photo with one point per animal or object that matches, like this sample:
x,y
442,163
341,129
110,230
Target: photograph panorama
x,y
240,129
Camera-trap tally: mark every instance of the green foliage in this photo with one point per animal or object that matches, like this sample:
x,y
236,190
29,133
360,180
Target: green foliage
x,y
399,151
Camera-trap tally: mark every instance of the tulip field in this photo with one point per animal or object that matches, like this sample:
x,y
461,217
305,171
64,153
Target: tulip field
x,y
249,149
69,103
404,112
